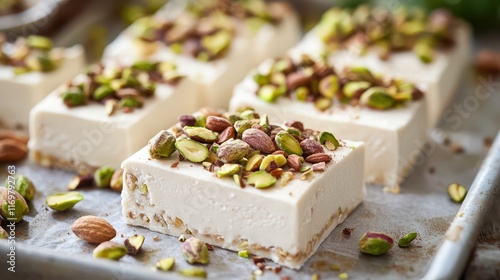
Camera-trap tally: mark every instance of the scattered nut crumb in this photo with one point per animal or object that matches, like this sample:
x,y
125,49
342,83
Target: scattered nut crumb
x,y
334,267
121,235
315,276
432,170
175,164
156,238
457,149
210,247
347,231
257,260
446,141
258,272
488,61
277,269
286,278
487,142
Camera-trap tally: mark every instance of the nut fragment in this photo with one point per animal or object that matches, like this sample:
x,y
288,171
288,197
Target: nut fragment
x,y
195,251
24,187
165,264
134,244
294,162
162,145
228,133
200,134
102,176
253,162
406,240
228,169
244,254
63,201
3,234
277,160
117,180
457,192
194,272
192,150
261,179
288,143
9,198
79,181
320,157
92,229
327,139
375,243
233,151
217,124
187,120
258,140
12,150
377,97
311,147
110,250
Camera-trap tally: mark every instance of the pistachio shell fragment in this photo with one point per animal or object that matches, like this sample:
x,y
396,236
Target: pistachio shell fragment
x,y
165,264
327,139
457,192
110,250
192,150
261,179
288,143
162,145
228,169
63,201
406,240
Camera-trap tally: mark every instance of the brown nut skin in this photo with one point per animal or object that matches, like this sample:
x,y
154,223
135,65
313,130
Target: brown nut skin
x,y
258,140
12,150
92,229
217,124
294,162
295,124
187,120
311,147
117,180
320,157
228,133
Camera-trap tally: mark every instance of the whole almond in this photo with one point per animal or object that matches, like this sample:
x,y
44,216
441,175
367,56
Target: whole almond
x,y
12,150
7,134
319,157
217,124
228,133
92,229
311,147
294,162
259,140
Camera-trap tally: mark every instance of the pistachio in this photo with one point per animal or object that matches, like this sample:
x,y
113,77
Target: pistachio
x,y
288,143
3,234
457,192
228,169
194,272
258,140
355,88
299,79
375,243
24,187
63,201
295,124
39,42
294,161
301,93
238,180
162,145
279,160
307,174
201,120
310,147
110,106
242,125
79,181
286,177
359,73
200,134
253,162
261,179
233,151
244,254
378,98
217,124
276,172
74,97
423,49
129,102
406,240
294,131
102,92
327,139
13,206
102,176
192,150
116,182
268,93
228,133
215,44
195,251
249,115
165,264
110,250
261,79
144,65
187,120
323,104
134,244
329,85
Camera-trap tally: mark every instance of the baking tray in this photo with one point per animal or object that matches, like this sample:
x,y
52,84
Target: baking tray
x,y
47,249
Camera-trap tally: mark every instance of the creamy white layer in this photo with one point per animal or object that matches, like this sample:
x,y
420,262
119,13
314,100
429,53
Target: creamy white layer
x,y
86,136
440,78
19,93
217,78
393,138
295,218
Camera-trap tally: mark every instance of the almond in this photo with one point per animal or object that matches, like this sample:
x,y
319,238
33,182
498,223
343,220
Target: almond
x,y
295,124
319,157
217,124
7,134
93,229
259,140
311,147
294,162
228,133
12,150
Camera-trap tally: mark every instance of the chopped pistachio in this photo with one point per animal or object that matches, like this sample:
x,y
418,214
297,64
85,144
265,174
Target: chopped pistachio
x,y
280,160
24,187
268,93
377,97
102,92
217,42
39,42
200,134
243,254
327,139
73,97
228,169
288,143
329,85
165,264
192,150
63,201
261,79
351,89
323,103
134,244
103,175
457,192
301,93
261,179
406,240
194,272
253,162
110,250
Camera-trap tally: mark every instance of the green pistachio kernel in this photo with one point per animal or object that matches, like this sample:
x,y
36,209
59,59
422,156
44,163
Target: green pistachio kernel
x,y
378,98
110,250
406,240
201,120
375,243
194,272
39,42
264,122
360,73
301,93
102,92
228,169
74,97
327,139
457,192
242,125
423,49
24,187
288,143
144,28
13,212
261,79
280,160
244,254
192,150
165,264
200,134
144,66
195,251
323,104
162,145
216,43
248,115
329,85
253,162
352,89
102,176
129,102
261,179
268,93
63,201
294,131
